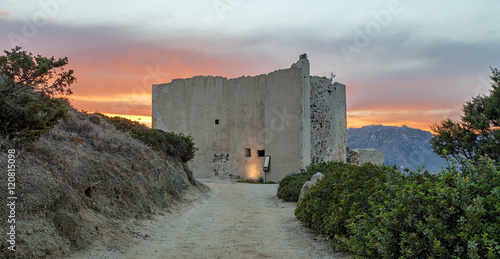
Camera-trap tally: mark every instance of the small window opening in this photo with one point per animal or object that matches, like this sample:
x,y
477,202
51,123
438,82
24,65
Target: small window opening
x,y
261,153
216,122
248,152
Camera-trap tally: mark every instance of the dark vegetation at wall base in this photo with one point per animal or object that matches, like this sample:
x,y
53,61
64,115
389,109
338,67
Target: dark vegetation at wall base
x,y
290,186
171,144
379,212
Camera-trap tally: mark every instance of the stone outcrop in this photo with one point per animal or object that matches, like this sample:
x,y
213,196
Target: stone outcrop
x,y
360,156
307,185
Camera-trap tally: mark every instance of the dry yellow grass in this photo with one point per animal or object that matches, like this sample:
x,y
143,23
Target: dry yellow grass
x,y
89,170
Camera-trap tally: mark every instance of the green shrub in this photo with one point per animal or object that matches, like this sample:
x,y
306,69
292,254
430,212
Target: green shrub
x,y
342,194
172,144
29,85
378,212
397,212
25,116
452,215
290,186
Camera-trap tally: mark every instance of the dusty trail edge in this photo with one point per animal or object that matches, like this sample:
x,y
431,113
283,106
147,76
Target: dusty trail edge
x,y
232,220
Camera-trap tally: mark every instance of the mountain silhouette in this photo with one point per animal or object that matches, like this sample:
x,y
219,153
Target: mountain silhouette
x,y
402,146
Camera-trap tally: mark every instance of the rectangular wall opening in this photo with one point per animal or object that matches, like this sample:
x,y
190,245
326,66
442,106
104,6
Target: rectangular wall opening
x,y
216,122
261,153
248,152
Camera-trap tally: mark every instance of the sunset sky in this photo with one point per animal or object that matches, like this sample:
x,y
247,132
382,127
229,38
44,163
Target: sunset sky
x,y
404,62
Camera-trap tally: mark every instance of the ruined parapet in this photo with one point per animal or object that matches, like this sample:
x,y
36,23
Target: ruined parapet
x,y
289,115
328,120
360,156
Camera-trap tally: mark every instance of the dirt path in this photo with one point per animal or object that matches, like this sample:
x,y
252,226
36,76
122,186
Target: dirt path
x,y
235,221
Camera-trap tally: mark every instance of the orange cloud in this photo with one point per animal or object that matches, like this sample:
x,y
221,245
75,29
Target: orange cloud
x,y
119,81
5,14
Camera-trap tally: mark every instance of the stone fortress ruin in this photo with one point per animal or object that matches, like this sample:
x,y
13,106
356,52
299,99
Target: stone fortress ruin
x,y
288,116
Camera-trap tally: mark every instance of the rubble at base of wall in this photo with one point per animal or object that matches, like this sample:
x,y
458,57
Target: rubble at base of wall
x,y
360,156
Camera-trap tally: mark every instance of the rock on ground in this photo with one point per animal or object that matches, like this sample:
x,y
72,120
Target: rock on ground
x,y
307,185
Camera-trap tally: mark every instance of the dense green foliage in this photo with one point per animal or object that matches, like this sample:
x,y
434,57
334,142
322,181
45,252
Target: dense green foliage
x,y
24,116
478,132
172,144
379,212
289,187
28,85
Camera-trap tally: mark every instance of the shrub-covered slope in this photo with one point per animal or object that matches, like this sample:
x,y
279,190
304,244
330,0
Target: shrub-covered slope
x,y
80,181
379,212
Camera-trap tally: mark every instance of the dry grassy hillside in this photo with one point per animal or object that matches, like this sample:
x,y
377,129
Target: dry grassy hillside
x,y
81,182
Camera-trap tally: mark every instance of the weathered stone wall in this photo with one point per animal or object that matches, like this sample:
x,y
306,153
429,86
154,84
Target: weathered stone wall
x,y
286,114
360,156
228,116
328,120
220,165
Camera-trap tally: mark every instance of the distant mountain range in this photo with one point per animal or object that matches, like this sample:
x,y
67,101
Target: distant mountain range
x,y
402,146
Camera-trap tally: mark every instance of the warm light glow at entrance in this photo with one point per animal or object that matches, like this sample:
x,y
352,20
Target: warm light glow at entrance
x,y
253,171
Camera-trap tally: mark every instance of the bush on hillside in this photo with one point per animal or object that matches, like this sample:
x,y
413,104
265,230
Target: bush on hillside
x,y
172,144
24,116
29,85
378,212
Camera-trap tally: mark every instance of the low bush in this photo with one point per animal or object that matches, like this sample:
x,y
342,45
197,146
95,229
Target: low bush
x,y
378,212
290,186
172,144
25,115
343,193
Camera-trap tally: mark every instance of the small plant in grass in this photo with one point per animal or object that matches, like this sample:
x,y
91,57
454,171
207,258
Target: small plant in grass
x,y
244,180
